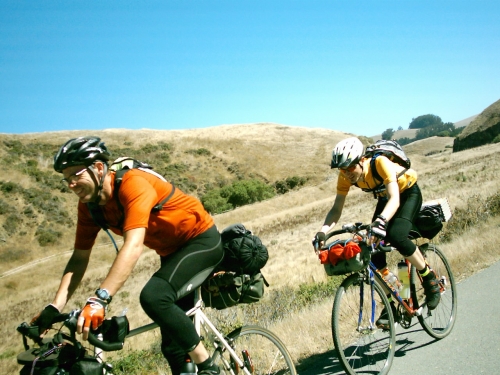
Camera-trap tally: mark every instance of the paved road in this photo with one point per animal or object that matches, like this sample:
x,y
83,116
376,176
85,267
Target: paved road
x,y
473,347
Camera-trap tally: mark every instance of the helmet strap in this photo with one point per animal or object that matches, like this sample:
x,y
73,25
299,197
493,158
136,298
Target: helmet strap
x,y
99,182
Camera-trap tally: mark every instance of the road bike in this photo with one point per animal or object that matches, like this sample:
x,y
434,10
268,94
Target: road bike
x,y
248,350
364,348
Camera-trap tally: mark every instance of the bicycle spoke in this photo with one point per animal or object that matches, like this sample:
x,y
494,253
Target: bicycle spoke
x,y
261,351
439,322
362,347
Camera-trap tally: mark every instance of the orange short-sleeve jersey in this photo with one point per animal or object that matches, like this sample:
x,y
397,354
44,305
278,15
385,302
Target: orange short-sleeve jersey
x,y
182,217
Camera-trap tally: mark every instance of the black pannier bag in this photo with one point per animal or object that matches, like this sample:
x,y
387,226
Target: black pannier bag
x,y
226,289
237,279
87,366
429,220
244,252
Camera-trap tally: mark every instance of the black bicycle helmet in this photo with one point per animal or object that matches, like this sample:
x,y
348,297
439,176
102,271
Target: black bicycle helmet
x,y
80,151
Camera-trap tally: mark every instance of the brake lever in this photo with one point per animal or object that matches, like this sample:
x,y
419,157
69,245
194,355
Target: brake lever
x,y
316,247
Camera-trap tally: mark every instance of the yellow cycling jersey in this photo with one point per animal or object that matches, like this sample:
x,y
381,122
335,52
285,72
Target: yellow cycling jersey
x,y
388,171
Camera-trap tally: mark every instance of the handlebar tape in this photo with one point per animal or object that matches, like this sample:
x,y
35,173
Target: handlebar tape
x,y
106,346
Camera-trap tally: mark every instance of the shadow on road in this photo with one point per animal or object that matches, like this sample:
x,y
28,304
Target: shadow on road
x,y
328,363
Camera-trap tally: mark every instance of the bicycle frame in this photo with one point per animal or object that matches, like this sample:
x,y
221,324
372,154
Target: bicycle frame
x,y
408,303
200,320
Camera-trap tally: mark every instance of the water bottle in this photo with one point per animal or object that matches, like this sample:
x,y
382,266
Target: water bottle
x,y
391,278
404,280
189,368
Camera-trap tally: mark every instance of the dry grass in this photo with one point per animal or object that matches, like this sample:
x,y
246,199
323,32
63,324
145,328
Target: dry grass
x,y
285,223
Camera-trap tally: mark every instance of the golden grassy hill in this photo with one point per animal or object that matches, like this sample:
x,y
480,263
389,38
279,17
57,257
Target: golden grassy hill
x,y
286,223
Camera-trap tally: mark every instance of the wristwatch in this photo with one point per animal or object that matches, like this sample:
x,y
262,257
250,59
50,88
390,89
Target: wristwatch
x,y
104,295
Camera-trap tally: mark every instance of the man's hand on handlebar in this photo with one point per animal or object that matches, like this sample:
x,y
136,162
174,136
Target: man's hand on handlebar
x,y
45,318
93,313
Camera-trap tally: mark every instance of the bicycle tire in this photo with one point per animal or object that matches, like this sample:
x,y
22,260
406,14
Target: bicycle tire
x,y
439,322
371,350
267,353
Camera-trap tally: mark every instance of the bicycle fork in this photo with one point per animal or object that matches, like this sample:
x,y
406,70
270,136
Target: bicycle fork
x,y
371,326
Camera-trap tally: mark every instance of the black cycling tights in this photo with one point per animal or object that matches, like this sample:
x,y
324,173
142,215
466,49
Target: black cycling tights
x,y
169,293
400,225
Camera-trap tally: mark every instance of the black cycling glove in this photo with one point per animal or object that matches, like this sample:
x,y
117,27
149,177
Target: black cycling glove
x,y
319,237
45,319
378,229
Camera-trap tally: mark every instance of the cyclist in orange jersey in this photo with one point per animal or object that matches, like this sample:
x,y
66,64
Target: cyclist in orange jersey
x,y
181,232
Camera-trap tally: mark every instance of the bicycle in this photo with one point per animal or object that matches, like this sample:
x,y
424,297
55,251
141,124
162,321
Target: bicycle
x,y
361,346
249,350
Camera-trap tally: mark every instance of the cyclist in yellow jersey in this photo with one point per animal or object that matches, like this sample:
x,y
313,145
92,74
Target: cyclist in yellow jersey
x,y
398,201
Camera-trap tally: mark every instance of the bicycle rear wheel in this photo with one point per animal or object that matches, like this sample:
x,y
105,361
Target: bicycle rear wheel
x,y
439,322
362,347
258,346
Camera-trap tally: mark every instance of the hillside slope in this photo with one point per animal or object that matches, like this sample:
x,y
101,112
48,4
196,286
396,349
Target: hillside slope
x,y
34,205
286,223
481,131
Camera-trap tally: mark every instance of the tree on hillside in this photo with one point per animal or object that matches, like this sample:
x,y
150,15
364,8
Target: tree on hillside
x,y
440,130
387,134
425,121
405,140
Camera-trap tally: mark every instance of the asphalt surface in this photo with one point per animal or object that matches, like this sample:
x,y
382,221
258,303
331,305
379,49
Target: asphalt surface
x,y
473,347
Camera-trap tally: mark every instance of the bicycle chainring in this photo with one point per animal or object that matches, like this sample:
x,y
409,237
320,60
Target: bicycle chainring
x,y
403,317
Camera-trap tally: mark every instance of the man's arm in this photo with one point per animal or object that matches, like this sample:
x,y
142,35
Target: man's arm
x,y
95,309
125,261
73,274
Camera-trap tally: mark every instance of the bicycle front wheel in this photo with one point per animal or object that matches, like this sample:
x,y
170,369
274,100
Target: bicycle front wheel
x,y
438,322
262,351
362,347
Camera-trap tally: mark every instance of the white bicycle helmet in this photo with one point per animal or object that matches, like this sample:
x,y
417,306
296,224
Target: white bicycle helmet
x,y
347,152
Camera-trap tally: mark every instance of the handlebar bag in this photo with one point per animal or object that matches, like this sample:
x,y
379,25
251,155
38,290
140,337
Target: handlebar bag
x,y
348,265
54,354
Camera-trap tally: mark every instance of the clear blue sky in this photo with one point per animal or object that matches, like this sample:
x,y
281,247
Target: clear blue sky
x,y
353,66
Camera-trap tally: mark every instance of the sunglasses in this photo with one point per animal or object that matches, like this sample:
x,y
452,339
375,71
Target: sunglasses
x,y
74,177
348,169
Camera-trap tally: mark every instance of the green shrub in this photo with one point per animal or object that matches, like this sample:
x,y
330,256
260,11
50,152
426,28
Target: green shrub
x,y
11,225
5,208
199,152
47,236
214,202
249,191
10,187
29,212
237,194
290,183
